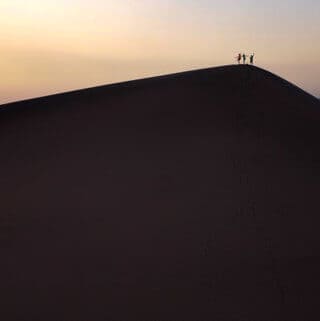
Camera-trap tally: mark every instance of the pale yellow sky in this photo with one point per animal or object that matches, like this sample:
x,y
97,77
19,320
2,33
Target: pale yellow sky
x,y
54,46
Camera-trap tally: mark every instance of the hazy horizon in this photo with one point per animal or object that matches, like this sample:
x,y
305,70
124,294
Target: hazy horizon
x,y
55,46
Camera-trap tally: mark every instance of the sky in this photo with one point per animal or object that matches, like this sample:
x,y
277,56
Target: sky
x,y
50,46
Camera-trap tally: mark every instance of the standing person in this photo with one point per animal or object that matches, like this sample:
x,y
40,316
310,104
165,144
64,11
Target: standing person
x,y
244,57
239,58
251,59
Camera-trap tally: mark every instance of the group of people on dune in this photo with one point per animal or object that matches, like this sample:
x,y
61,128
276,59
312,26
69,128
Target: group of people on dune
x,y
244,58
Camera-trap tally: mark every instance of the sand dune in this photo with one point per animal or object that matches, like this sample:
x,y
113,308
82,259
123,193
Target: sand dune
x,y
192,196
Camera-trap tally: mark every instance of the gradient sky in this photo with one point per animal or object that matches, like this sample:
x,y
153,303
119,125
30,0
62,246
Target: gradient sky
x,y
50,46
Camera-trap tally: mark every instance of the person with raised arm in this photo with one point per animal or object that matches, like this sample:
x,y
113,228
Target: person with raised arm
x,y
251,59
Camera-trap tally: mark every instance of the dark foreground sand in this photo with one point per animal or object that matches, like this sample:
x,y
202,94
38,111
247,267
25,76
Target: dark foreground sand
x,y
189,197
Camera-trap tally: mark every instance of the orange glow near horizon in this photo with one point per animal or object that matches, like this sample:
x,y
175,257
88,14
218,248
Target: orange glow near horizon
x,y
54,46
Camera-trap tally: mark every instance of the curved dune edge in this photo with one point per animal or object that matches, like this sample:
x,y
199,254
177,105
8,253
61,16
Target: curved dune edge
x,y
191,196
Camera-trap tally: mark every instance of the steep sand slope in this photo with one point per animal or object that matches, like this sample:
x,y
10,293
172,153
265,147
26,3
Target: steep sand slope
x,y
192,196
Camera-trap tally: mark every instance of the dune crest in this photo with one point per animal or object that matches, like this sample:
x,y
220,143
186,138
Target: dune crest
x,y
187,197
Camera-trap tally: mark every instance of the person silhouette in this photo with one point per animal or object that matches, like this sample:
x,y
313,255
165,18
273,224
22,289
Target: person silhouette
x,y
244,57
251,59
239,58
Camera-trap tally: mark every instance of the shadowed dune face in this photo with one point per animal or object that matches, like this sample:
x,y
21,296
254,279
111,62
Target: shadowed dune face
x,y
186,197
